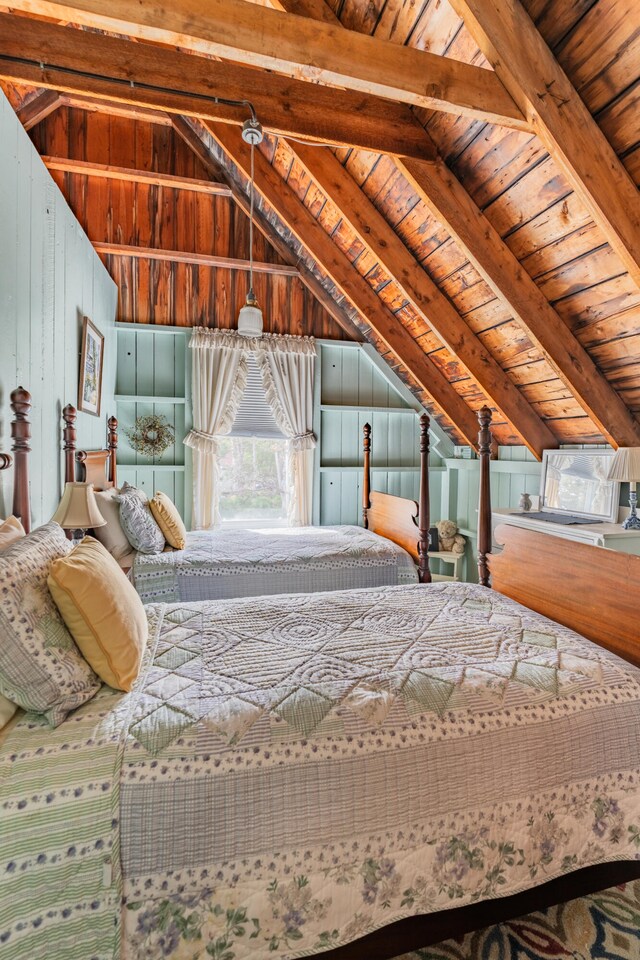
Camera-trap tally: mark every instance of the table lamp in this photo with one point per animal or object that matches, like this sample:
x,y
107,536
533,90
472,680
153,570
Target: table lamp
x,y
78,509
625,466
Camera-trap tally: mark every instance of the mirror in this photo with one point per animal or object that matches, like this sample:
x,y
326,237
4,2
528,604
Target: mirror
x,y
575,482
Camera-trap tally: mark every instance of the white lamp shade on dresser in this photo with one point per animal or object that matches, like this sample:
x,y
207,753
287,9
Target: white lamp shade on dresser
x,y
78,509
625,465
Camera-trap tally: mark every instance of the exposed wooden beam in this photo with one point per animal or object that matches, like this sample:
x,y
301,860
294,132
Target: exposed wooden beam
x,y
354,287
427,300
296,47
198,259
184,129
522,60
37,109
451,205
81,64
114,108
150,177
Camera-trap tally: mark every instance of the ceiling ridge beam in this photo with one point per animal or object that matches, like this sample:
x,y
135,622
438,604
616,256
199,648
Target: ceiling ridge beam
x,y
425,297
81,63
185,130
510,41
450,203
313,51
300,221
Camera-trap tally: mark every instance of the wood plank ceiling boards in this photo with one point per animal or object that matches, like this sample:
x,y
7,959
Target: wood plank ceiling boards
x,y
522,60
450,202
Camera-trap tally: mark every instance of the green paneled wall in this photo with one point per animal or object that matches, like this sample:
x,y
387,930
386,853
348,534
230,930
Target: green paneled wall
x,y
351,390
50,277
153,376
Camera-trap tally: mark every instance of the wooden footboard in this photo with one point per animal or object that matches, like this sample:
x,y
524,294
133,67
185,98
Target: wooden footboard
x,y
403,521
592,590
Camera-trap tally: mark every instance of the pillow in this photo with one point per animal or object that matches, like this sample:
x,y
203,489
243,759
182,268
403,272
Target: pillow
x,y
41,669
169,520
111,536
10,530
142,531
7,710
102,610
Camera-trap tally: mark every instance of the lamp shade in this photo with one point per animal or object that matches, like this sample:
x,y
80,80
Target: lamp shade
x,y
78,509
250,318
625,465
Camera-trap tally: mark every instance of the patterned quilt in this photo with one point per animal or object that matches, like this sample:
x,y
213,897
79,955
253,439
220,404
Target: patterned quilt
x,y
220,564
290,774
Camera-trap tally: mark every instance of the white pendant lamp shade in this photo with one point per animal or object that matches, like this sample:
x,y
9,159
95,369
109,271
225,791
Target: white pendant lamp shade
x,y
78,509
250,318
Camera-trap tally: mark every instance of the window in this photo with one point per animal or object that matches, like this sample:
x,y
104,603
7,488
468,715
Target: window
x,y
253,462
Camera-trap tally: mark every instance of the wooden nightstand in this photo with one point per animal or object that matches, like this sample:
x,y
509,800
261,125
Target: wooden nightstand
x,y
454,559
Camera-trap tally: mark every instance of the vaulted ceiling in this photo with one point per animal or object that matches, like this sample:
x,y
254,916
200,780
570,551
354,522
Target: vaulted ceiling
x,y
473,211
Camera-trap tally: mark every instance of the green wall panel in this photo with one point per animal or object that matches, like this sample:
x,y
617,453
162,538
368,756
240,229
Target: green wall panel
x,y
50,277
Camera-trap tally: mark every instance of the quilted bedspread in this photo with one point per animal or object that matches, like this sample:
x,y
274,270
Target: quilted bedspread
x,y
220,564
291,773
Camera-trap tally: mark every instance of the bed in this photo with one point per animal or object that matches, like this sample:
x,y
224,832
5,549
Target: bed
x,y
354,778
390,548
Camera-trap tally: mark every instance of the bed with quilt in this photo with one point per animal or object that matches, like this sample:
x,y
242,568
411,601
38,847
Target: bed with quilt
x,y
219,564
289,774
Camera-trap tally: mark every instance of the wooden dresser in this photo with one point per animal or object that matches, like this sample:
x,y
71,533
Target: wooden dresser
x,y
609,535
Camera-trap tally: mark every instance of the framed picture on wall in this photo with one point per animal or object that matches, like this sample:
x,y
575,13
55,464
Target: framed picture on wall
x,y
91,364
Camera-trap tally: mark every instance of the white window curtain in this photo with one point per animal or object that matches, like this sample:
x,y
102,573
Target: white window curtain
x,y
219,365
287,367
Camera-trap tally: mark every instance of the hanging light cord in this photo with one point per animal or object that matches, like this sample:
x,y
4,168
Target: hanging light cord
x,y
251,222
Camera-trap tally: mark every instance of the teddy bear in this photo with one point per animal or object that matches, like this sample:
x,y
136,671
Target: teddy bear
x,y
449,540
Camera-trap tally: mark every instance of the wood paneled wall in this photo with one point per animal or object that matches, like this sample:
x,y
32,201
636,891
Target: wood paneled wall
x,y
164,218
50,277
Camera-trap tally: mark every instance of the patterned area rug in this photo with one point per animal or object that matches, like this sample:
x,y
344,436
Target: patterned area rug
x,y
605,926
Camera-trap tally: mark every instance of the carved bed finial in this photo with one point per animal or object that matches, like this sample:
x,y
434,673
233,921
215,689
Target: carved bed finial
x,y
112,447
69,417
21,434
423,503
366,480
484,509
5,461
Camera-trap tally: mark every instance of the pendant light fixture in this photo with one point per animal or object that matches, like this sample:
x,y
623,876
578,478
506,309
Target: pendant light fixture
x,y
250,316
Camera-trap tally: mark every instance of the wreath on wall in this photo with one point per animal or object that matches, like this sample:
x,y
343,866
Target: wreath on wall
x,y
151,435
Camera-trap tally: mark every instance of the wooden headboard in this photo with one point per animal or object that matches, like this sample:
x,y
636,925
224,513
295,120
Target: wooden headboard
x,y
20,403
98,467
400,520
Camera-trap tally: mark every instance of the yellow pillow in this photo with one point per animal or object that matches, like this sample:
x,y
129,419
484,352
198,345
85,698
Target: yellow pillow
x,y
10,530
102,611
166,515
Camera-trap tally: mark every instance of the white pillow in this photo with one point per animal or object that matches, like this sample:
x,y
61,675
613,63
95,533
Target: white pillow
x,y
111,536
10,530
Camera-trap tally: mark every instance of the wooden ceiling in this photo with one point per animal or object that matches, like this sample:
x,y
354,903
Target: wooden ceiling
x,y
477,217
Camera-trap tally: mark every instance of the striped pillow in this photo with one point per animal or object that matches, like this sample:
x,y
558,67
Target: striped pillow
x,y
41,668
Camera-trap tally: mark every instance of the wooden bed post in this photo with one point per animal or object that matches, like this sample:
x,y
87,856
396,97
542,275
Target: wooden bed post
x,y
21,434
112,447
424,573
366,480
69,416
484,511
